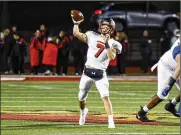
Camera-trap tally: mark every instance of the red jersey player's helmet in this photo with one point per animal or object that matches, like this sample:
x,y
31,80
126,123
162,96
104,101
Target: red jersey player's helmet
x,y
107,22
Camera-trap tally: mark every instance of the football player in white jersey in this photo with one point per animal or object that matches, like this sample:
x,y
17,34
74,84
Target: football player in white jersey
x,y
168,75
101,50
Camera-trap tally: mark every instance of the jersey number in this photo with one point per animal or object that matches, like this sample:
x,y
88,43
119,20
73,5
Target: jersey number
x,y
101,48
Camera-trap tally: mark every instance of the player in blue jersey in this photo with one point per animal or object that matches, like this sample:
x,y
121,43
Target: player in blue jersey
x,y
168,75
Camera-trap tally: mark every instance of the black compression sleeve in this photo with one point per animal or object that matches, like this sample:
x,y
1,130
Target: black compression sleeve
x,y
171,82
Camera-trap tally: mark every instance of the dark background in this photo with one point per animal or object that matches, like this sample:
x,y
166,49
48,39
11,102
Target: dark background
x,y
56,14
29,15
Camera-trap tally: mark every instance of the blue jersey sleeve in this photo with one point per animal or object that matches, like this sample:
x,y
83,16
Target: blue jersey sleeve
x,y
176,51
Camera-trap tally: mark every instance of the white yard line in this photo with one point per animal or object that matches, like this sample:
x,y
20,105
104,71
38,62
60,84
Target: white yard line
x,y
121,133
31,86
66,97
36,87
100,125
58,94
39,94
29,89
121,102
70,90
115,86
109,133
12,85
60,107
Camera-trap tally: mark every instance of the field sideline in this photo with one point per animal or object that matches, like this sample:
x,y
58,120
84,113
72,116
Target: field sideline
x,y
51,107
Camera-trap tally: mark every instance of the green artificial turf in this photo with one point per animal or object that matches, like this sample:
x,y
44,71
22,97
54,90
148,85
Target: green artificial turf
x,y
126,97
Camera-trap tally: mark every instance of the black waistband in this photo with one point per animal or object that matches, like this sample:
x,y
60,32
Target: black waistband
x,y
93,68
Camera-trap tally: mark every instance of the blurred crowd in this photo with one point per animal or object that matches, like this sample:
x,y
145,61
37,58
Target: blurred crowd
x,y
51,53
165,42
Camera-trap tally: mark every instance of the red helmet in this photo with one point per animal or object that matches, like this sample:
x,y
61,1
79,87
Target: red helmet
x,y
110,23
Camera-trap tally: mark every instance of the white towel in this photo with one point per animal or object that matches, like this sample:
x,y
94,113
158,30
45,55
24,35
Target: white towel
x,y
153,67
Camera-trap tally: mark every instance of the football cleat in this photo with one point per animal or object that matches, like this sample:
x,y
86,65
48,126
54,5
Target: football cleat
x,y
141,115
111,124
83,116
171,108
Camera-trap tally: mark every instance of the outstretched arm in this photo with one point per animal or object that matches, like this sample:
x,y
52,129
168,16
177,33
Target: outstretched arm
x,y
78,34
81,36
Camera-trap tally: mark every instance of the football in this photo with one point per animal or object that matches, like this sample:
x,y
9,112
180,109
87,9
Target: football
x,y
77,15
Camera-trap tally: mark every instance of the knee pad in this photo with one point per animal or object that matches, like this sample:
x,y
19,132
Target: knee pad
x,y
82,95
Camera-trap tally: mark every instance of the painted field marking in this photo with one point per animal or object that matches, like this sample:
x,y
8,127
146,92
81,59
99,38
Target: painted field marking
x,y
117,133
56,94
60,107
40,94
73,88
67,97
68,102
68,86
33,86
12,85
76,91
65,90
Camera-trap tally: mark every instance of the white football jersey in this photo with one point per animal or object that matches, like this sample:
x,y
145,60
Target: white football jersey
x,y
168,59
97,54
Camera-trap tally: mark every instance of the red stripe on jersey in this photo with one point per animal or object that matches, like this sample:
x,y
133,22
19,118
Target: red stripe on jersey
x,y
101,42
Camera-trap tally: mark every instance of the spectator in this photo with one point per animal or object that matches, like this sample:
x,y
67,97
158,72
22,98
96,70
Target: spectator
x,y
165,41
60,54
121,58
14,29
1,42
12,32
34,52
1,50
6,32
6,52
43,31
50,53
78,50
63,53
12,42
18,53
42,39
146,51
